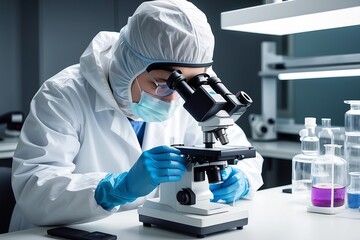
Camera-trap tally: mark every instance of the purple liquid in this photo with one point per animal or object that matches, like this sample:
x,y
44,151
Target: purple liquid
x,y
321,195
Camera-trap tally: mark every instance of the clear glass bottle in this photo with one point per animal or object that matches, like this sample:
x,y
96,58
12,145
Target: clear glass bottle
x,y
326,135
328,177
301,163
353,191
352,137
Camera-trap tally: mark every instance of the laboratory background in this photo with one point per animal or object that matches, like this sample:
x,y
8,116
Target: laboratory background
x,y
39,38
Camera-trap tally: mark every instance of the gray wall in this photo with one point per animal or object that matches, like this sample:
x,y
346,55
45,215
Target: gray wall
x,y
9,55
66,28
44,36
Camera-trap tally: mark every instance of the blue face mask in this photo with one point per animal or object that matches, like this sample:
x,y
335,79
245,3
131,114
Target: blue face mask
x,y
151,109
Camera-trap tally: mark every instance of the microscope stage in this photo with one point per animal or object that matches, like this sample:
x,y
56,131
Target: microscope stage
x,y
156,213
221,153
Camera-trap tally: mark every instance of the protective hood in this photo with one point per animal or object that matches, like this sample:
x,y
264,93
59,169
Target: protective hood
x,y
94,66
163,31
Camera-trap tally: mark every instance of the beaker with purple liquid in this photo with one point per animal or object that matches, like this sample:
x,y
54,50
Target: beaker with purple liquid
x,y
328,179
321,195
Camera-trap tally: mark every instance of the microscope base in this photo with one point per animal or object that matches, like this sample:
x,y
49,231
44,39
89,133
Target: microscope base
x,y
153,212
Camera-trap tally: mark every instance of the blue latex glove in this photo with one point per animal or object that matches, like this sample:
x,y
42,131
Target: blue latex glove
x,y
157,165
234,186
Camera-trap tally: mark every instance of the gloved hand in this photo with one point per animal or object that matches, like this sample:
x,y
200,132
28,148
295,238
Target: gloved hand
x,y
234,186
157,165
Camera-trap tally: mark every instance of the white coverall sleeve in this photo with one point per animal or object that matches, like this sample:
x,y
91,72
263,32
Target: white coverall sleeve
x,y
46,189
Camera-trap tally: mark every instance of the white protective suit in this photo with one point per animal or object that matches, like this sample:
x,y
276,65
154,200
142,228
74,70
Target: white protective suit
x,y
76,133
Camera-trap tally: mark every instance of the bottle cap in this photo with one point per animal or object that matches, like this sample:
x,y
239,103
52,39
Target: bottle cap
x,y
326,122
352,102
310,122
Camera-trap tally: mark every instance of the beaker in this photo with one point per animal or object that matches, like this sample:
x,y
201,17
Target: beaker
x,y
328,179
353,190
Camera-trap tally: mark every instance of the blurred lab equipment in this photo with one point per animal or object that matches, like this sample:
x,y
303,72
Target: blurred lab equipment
x,y
301,163
352,136
353,190
14,121
328,185
186,205
262,128
326,135
275,67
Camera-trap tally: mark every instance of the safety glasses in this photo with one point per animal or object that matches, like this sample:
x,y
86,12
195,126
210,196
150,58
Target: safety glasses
x,y
161,88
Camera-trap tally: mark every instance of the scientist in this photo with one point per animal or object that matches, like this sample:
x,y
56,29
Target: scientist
x,y
98,135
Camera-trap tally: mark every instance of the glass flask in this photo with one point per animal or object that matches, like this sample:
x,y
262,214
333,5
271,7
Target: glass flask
x,y
326,135
328,175
352,137
301,163
353,190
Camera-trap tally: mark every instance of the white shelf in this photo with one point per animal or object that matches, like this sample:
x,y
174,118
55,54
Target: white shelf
x,y
290,17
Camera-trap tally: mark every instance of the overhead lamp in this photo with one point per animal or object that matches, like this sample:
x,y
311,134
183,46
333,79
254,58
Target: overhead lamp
x,y
319,74
296,16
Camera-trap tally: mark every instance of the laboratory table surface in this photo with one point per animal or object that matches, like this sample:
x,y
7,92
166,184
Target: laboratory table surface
x,y
279,149
273,215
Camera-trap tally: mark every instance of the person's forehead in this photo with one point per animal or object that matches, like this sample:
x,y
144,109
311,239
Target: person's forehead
x,y
190,71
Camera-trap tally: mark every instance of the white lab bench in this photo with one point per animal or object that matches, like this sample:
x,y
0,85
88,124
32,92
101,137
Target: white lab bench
x,y
272,215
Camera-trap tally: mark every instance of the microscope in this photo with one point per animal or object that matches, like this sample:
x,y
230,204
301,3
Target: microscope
x,y
185,206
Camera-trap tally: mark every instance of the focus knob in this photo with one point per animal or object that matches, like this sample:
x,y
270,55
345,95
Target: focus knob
x,y
186,197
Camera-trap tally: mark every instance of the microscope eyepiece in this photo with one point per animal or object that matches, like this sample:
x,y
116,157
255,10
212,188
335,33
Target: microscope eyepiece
x,y
218,86
177,81
244,98
198,80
